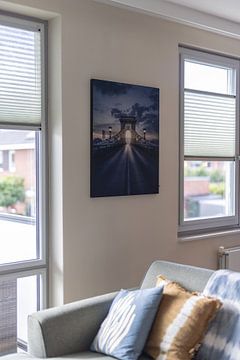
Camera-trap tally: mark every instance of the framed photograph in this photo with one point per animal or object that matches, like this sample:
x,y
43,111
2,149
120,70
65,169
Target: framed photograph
x,y
124,139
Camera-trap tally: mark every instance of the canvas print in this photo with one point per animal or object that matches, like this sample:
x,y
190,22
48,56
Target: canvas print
x,y
124,139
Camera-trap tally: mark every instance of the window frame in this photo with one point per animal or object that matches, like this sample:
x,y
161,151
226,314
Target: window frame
x,y
218,223
11,163
1,160
39,265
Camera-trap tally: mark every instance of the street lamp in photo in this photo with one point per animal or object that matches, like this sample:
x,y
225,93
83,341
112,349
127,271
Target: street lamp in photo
x,y
110,132
144,134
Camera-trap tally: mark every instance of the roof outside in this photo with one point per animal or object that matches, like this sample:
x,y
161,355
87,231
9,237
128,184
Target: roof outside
x,y
17,139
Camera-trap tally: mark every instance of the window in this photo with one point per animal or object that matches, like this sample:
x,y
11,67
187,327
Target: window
x,y
209,141
23,205
1,160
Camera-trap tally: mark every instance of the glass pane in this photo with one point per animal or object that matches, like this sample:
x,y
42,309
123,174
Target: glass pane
x,y
209,189
210,78
18,240
18,298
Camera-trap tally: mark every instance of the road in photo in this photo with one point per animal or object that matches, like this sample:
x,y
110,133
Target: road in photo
x,y
125,170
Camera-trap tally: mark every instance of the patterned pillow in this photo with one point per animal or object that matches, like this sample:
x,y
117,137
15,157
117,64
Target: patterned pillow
x,y
180,323
124,331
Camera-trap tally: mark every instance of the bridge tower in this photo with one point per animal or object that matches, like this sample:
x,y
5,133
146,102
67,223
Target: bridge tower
x,y
128,123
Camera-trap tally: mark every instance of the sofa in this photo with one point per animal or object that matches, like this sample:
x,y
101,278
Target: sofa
x,y
66,332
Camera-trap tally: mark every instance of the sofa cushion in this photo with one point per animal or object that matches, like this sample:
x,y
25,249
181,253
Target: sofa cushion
x,y
87,355
124,331
180,323
17,356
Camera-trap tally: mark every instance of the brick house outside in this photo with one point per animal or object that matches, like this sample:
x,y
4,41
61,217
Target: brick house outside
x,y
17,158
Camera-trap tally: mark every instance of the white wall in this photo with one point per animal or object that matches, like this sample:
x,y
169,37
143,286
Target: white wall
x,y
102,244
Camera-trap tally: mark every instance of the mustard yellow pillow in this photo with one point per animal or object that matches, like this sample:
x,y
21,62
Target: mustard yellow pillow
x,y
180,323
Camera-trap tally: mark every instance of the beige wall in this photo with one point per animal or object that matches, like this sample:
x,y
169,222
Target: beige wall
x,y
102,244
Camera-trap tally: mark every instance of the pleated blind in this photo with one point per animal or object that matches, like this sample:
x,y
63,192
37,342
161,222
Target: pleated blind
x,y
20,76
209,124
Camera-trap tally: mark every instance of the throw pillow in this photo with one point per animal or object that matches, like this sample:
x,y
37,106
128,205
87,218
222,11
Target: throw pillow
x,y
221,340
180,323
124,331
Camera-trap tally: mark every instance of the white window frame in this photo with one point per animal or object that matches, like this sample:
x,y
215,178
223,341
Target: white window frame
x,y
1,160
11,163
39,265
217,223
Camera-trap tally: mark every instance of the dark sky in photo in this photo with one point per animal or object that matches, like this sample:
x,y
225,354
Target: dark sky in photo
x,y
111,100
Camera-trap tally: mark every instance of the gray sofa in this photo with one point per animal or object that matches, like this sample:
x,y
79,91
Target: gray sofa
x,y
67,331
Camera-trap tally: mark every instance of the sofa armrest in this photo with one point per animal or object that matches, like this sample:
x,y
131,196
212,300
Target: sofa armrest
x,y
68,328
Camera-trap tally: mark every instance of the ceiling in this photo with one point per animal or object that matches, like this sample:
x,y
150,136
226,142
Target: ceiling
x,y
226,9
217,15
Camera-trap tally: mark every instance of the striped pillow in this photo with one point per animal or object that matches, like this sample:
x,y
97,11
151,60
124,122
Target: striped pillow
x,y
180,323
124,331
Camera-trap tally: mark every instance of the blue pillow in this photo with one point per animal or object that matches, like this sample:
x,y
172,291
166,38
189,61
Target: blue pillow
x,y
124,331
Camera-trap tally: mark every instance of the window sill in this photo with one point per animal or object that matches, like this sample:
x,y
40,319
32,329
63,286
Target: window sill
x,y
223,233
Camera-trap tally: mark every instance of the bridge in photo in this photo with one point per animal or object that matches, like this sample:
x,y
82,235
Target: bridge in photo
x,y
126,135
128,131
125,163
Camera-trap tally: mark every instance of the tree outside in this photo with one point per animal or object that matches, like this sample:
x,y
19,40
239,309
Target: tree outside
x,y
11,191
